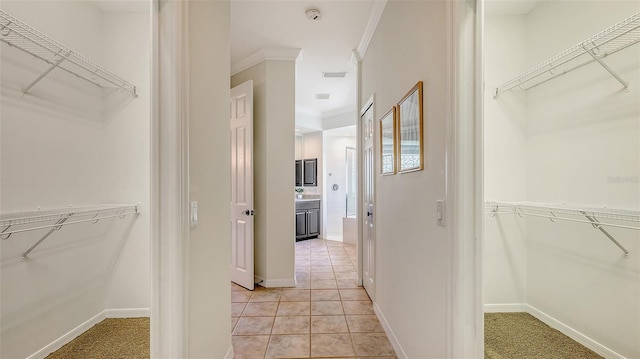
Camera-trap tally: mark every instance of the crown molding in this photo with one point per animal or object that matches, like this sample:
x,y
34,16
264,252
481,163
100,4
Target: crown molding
x,y
340,111
291,54
372,24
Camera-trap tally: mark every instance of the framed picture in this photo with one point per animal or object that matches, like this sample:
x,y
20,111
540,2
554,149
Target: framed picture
x,y
388,143
410,144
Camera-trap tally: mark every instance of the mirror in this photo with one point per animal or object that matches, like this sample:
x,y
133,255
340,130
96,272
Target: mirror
x,y
310,173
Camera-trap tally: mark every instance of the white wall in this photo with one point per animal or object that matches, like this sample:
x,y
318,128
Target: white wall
x,y
412,252
334,202
274,121
298,144
505,150
582,147
127,133
63,144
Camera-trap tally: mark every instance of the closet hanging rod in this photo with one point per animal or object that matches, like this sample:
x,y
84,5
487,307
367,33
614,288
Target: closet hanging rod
x,y
552,217
61,218
594,49
526,209
84,214
17,34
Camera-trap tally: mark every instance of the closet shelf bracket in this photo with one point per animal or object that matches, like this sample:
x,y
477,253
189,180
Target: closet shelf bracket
x,y
596,224
53,66
56,227
606,67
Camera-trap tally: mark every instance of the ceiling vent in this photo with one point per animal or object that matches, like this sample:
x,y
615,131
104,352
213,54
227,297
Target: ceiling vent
x,y
313,14
334,75
322,96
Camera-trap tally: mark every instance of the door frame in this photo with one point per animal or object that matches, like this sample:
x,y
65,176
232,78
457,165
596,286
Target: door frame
x,y
464,178
169,179
360,208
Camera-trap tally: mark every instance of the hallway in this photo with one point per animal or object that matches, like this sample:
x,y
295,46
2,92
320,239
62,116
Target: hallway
x,y
326,316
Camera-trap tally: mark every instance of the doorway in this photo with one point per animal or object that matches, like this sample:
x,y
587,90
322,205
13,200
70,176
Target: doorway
x,y
556,231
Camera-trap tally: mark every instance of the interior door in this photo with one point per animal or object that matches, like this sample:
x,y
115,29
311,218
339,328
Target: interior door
x,y
242,214
368,233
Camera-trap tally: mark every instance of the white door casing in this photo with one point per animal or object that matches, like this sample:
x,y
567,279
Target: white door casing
x,y
242,215
368,194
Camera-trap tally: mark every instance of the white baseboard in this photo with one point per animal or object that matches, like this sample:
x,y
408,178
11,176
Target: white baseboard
x,y
390,334
66,338
274,283
128,313
505,308
230,353
573,334
75,332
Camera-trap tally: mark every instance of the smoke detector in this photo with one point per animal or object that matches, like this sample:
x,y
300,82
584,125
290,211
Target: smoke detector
x,y
313,14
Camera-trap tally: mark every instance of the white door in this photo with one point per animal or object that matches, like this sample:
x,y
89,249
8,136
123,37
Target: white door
x,y
368,233
242,185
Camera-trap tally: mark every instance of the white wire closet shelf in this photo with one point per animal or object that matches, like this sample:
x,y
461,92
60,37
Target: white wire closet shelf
x,y
22,36
55,219
555,212
594,49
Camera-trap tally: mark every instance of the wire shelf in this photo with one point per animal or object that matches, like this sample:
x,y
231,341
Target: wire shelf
x,y
602,213
556,212
22,36
53,220
594,49
33,220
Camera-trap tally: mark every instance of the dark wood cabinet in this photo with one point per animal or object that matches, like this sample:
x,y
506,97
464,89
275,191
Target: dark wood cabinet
x,y
307,219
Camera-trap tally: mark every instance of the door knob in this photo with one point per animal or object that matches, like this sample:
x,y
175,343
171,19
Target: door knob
x,y
248,213
369,214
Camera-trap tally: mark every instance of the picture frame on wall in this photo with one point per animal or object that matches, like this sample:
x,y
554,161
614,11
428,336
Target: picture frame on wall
x,y
409,131
388,143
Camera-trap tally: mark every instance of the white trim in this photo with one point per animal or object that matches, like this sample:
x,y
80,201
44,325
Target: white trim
x,y
274,283
574,334
390,334
465,324
66,338
290,54
128,313
505,308
169,181
230,353
370,29
338,112
154,210
75,332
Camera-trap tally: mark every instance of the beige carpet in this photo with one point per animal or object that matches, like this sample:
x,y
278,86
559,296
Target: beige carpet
x,y
521,336
112,338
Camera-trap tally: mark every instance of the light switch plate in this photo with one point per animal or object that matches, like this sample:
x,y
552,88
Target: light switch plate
x,y
194,213
440,213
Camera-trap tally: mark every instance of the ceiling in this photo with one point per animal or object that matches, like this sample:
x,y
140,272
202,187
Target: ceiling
x,y
326,44
511,7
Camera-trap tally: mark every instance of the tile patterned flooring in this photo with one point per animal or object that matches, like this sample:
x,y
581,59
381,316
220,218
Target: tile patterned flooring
x,y
326,316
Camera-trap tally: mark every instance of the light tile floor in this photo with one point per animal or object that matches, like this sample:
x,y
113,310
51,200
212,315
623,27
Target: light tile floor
x,y
326,316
